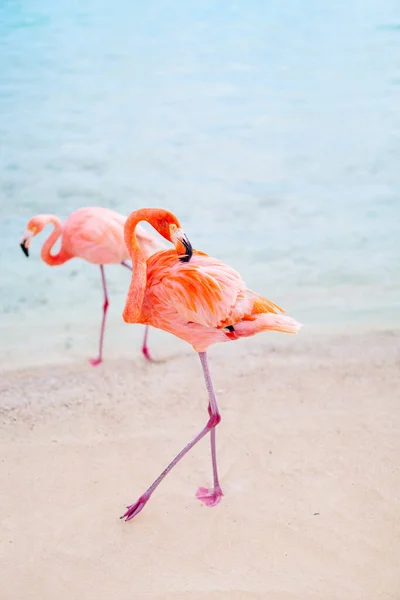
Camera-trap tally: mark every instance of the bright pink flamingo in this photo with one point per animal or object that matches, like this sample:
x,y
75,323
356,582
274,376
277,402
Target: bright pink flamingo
x,y
97,235
198,299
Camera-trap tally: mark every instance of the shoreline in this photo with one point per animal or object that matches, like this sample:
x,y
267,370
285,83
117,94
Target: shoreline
x,y
70,343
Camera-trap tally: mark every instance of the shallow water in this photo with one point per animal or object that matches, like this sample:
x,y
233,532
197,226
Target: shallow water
x,y
271,129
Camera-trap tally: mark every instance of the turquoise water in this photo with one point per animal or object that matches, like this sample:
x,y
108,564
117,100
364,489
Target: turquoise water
x,y
272,130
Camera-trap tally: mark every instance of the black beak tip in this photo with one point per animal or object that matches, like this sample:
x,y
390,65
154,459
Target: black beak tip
x,y
25,249
189,250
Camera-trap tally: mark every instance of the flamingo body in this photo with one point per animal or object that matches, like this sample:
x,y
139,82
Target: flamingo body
x,y
205,301
97,235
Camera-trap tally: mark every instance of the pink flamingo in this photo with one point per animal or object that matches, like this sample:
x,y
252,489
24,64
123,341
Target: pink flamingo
x,y
97,235
199,299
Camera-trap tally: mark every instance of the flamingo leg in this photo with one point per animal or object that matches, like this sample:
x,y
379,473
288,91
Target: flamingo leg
x,y
145,348
210,498
96,361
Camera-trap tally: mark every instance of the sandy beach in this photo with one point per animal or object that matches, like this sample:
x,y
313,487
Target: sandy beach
x,y
308,448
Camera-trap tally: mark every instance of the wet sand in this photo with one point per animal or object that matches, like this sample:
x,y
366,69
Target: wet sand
x,y
308,448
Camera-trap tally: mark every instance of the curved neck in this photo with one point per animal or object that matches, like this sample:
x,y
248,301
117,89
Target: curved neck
x,y
134,300
61,257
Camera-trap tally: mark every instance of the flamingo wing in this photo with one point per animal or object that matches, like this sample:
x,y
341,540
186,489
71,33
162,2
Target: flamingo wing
x,y
96,235
204,291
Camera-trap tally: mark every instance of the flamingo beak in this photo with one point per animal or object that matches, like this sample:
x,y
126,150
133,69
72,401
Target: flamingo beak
x,y
26,240
25,246
187,246
183,247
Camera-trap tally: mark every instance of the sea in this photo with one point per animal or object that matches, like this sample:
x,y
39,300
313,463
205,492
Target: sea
x,y
270,128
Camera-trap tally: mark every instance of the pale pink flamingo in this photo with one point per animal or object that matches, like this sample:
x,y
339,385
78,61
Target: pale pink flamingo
x,y
97,235
199,299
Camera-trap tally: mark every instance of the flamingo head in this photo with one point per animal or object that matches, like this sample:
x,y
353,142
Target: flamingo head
x,y
169,227
35,226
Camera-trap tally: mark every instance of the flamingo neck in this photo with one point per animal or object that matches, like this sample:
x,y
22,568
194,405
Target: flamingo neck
x,y
62,256
137,288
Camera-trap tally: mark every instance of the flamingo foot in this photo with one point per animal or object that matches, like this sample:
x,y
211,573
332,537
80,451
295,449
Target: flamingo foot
x,y
209,497
95,361
134,509
146,353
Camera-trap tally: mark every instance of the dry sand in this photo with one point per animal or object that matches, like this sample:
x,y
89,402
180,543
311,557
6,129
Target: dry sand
x,y
308,446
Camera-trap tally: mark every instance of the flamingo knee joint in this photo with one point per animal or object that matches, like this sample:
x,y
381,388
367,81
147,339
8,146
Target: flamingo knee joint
x,y
213,420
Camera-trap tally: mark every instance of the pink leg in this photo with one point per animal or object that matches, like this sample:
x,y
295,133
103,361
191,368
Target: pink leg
x,y
145,348
99,359
212,497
